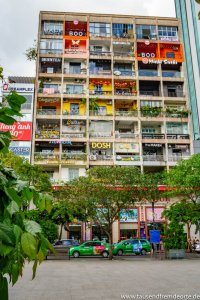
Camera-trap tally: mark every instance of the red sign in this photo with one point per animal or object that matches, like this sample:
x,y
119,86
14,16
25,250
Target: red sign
x,y
21,131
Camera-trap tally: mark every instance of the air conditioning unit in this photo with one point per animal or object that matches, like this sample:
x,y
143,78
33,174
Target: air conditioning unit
x,y
93,157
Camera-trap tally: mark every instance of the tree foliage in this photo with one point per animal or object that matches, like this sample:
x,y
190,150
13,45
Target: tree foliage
x,y
31,53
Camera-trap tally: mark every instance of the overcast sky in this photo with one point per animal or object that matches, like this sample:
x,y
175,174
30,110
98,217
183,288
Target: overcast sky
x,y
19,23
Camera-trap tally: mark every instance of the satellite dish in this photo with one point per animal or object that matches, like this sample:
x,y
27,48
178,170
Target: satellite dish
x,y
117,73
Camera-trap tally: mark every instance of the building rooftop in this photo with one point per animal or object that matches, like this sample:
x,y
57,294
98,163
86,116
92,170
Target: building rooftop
x,y
21,79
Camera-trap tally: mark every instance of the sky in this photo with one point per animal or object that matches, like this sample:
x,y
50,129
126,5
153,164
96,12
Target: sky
x,y
19,23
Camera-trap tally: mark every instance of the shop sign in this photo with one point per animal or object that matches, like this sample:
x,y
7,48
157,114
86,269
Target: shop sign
x,y
75,122
73,135
20,131
18,88
126,148
61,142
153,145
145,60
157,214
101,145
148,55
168,38
50,59
154,236
129,216
76,33
24,151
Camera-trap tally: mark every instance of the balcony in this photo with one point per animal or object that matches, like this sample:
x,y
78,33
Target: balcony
x,y
151,112
47,134
153,158
100,93
75,135
124,35
73,113
50,71
126,135
119,73
49,91
124,54
129,113
153,136
47,112
153,93
75,53
46,158
127,158
51,51
179,136
125,93
100,157
100,53
75,92
99,113
101,134
174,94
175,158
172,74
98,71
148,73
73,159
77,71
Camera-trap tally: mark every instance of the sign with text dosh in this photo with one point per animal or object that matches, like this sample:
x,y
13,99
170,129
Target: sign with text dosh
x,y
20,131
99,145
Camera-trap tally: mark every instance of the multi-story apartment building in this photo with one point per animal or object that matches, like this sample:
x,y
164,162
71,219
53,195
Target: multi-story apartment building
x,y
188,12
110,90
22,129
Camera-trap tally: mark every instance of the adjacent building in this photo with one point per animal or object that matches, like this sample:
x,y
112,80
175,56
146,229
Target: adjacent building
x,y
21,130
110,90
188,12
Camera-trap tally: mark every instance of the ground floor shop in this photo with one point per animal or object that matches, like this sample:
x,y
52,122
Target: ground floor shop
x,y
134,223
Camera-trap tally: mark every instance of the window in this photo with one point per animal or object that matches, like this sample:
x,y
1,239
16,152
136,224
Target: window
x,y
51,46
74,89
168,33
53,28
97,48
122,30
146,32
100,29
148,130
28,103
150,103
66,242
74,109
73,173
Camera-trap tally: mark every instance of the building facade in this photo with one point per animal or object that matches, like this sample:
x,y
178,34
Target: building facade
x,y
110,90
188,12
22,129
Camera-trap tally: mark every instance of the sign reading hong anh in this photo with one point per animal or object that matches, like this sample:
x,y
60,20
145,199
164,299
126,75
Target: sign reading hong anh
x,y
20,131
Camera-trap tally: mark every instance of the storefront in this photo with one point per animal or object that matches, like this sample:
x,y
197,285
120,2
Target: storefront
x,y
128,226
100,151
157,222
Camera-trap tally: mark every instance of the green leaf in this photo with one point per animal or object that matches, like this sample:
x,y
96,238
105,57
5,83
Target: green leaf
x,y
5,249
41,256
12,194
32,227
7,234
27,194
3,288
29,245
14,273
7,120
12,208
18,232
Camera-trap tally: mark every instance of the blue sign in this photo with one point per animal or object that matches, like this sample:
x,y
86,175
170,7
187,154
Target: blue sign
x,y
154,236
137,247
24,151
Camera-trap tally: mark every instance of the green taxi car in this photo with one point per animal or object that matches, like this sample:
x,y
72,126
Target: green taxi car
x,y
137,246
90,248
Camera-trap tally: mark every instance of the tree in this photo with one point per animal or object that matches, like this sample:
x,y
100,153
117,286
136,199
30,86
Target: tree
x,y
20,238
35,175
104,193
31,53
184,179
181,214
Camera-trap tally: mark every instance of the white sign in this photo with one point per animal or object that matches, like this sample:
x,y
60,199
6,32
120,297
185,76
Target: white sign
x,y
18,87
159,62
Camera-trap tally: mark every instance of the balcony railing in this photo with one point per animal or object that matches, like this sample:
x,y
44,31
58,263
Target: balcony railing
x,y
47,112
47,134
153,158
74,157
101,34
124,54
101,134
124,72
125,93
75,51
46,157
99,113
149,93
73,135
51,70
129,113
175,158
49,91
73,113
148,73
100,157
150,36
153,136
123,35
72,70
51,51
174,94
74,92
97,71
93,92
178,136
126,135
174,74
101,53
127,157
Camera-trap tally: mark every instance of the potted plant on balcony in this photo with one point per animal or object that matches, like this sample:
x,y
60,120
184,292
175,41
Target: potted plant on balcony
x,y
148,111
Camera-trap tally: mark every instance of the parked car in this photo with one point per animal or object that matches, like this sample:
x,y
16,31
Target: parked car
x,y
137,246
90,248
197,247
63,246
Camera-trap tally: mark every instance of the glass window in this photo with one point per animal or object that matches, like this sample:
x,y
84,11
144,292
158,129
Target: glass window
x,y
74,89
51,46
168,33
146,32
148,130
66,242
99,29
73,173
53,28
122,30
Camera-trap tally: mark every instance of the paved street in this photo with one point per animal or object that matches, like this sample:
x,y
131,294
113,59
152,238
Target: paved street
x,y
97,278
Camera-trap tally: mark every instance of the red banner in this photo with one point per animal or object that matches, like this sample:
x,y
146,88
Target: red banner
x,y
21,131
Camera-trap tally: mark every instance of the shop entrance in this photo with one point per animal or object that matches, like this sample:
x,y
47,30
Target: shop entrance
x,y
99,234
75,232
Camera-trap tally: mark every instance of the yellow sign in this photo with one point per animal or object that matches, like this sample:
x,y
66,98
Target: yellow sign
x,y
101,145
